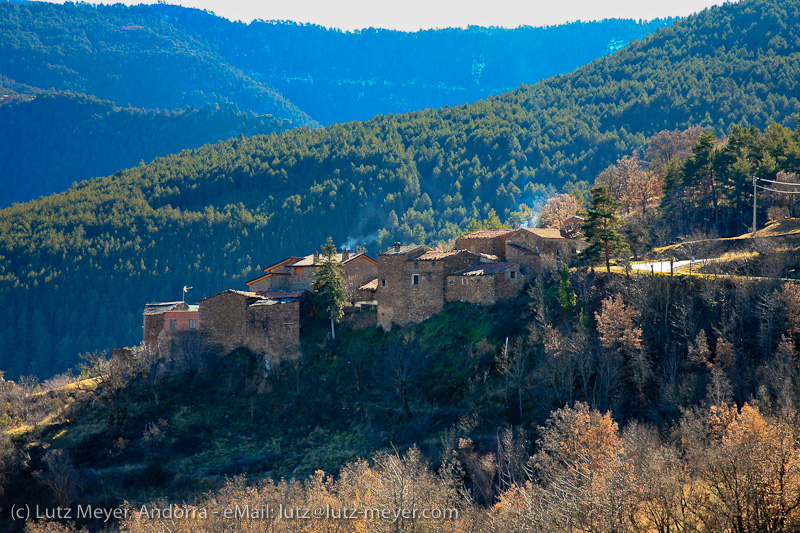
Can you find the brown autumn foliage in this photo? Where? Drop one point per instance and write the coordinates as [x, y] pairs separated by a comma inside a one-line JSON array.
[[632, 183], [558, 209]]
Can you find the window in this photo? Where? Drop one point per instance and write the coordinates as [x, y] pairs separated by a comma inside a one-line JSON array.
[[415, 279], [512, 275], [383, 283], [463, 281], [173, 323], [452, 282], [192, 323]]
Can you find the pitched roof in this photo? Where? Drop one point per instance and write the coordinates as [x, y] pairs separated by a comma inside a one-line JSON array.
[[157, 308], [282, 263], [434, 255], [371, 285], [277, 295], [522, 249], [233, 291], [317, 259], [405, 249], [489, 269], [545, 233], [487, 234]]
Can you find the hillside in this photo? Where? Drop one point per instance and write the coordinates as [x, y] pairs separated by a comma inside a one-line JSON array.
[[211, 217], [158, 65], [49, 140], [660, 389], [131, 58]]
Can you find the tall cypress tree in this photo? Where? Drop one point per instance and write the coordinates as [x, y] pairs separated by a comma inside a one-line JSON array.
[[329, 291], [600, 229]]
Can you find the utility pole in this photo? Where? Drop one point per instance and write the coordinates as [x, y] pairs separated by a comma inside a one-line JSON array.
[[754, 205]]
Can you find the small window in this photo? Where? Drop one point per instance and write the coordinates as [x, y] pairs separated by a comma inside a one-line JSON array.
[[383, 283], [415, 279], [463, 281], [513, 275], [192, 323], [452, 282], [173, 323]]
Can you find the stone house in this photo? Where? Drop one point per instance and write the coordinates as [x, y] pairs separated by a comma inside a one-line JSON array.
[[539, 249], [491, 242], [533, 248], [163, 320], [486, 283], [297, 273], [266, 323], [413, 281]]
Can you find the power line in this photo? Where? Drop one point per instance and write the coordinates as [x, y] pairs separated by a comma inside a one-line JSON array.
[[779, 182], [776, 190]]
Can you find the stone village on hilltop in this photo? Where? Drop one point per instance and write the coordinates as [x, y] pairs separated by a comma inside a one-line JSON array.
[[407, 284]]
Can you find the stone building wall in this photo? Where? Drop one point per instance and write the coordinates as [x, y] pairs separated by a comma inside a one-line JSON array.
[[485, 242], [270, 283], [415, 284], [362, 267], [153, 326], [485, 289], [234, 319], [390, 293], [275, 327], [549, 247]]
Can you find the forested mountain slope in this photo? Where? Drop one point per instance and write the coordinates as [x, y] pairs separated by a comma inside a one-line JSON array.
[[76, 267], [130, 57], [49, 140], [159, 65]]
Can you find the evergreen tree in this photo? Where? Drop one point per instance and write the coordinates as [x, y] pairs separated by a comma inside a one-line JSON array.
[[600, 229], [329, 288]]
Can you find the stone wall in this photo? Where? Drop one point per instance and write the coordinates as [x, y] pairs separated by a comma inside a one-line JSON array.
[[485, 242], [271, 283], [362, 267], [153, 326], [390, 296], [486, 289], [275, 327], [234, 319], [547, 252], [415, 288], [360, 319], [225, 321]]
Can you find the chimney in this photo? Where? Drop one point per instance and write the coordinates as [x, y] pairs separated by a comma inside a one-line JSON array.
[[316, 257], [397, 247], [345, 254]]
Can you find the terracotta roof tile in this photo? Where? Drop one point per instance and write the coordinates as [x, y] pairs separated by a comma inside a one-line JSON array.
[[546, 233], [309, 259], [371, 285], [434, 255], [487, 234], [405, 249]]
